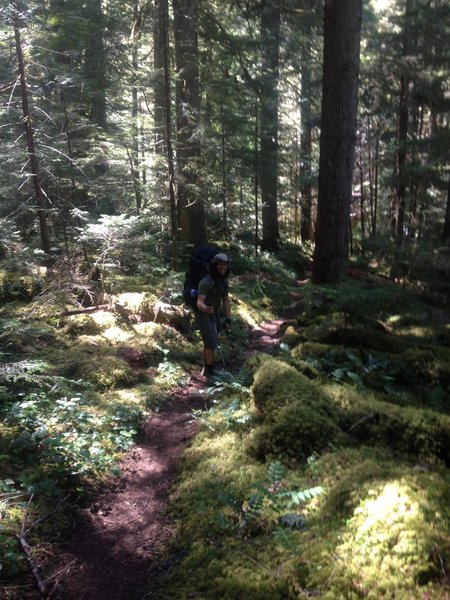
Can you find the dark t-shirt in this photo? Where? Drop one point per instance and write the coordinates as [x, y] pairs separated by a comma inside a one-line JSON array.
[[214, 290]]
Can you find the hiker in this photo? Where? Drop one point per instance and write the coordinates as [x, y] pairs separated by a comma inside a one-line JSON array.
[[211, 299]]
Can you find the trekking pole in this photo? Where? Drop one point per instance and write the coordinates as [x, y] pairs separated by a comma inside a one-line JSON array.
[[219, 345]]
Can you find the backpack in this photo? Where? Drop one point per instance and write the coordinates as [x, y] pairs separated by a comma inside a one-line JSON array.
[[198, 267]]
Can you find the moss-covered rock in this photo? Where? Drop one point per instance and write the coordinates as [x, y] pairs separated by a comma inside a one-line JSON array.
[[104, 371], [422, 366], [277, 384], [370, 339], [299, 418], [291, 337], [299, 430], [82, 325], [254, 362], [19, 286], [316, 351], [413, 431]]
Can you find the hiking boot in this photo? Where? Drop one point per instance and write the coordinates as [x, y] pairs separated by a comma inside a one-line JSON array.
[[208, 371]]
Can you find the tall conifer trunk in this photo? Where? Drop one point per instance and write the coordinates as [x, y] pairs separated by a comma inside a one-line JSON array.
[[270, 40], [41, 202], [398, 213], [342, 31], [306, 145], [446, 232], [95, 63], [163, 106], [190, 202]]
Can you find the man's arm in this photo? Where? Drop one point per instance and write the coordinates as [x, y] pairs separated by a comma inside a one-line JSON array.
[[227, 307], [202, 307]]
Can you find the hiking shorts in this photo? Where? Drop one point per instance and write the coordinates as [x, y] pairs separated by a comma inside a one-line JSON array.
[[208, 330]]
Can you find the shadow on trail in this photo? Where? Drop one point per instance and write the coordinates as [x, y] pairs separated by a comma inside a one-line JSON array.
[[116, 539], [122, 535]]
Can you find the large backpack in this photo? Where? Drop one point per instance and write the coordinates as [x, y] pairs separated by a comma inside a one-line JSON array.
[[198, 267]]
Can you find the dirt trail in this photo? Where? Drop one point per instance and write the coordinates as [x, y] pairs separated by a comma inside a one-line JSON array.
[[125, 529]]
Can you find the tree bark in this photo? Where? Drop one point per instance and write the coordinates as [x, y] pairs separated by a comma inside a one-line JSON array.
[[159, 89], [306, 233], [41, 202], [402, 136], [163, 106], [190, 202], [446, 232], [95, 64], [270, 41], [342, 31]]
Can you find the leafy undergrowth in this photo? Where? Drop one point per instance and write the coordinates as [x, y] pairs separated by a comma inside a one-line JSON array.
[[324, 471]]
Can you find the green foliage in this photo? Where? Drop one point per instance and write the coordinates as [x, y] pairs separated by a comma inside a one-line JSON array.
[[19, 286], [65, 439]]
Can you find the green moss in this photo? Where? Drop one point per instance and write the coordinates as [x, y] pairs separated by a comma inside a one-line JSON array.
[[230, 571], [82, 325], [277, 384], [349, 485], [300, 418], [291, 337], [103, 371], [419, 366], [314, 351], [14, 286], [254, 362], [388, 546], [300, 429], [419, 432], [366, 338]]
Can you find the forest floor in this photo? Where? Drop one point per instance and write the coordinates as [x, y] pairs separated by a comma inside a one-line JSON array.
[[119, 539]]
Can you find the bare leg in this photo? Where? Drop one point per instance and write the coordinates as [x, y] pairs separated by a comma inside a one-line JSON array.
[[208, 356]]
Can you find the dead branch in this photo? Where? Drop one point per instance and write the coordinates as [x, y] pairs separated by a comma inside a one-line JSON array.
[[81, 311], [42, 585], [26, 548]]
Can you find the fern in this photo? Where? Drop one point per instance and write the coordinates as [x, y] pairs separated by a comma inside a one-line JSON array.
[[276, 472], [23, 371]]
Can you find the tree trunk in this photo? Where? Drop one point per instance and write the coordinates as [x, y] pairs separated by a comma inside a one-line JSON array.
[[224, 172], [362, 202], [95, 64], [160, 46], [41, 202], [270, 41], [342, 31], [190, 201], [400, 195], [402, 135], [256, 171], [446, 232], [306, 232], [163, 105], [135, 166]]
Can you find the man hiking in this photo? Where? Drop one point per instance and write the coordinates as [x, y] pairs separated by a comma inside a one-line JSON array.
[[212, 303]]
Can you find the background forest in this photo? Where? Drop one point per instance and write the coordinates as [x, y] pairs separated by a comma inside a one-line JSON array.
[[311, 141]]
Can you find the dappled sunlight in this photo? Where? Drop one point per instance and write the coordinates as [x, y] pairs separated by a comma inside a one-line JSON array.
[[116, 334], [148, 329], [385, 545], [133, 395], [103, 318], [131, 300], [389, 507], [248, 315]]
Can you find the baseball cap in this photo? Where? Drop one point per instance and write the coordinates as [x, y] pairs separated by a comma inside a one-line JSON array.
[[221, 257]]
